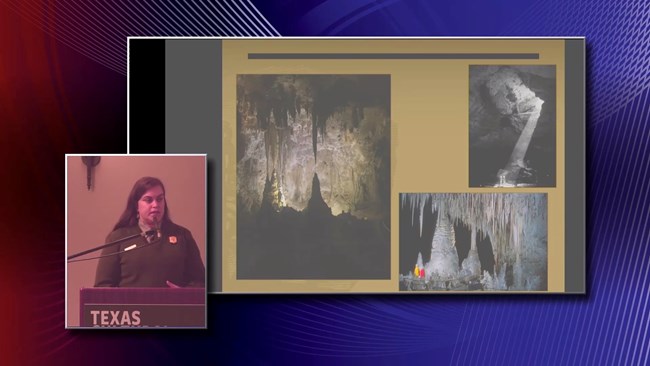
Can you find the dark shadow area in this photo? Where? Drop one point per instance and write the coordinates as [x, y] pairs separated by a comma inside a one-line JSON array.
[[485, 254], [312, 244], [463, 236]]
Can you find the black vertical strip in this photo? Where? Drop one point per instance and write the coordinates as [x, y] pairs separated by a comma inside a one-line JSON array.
[[146, 96], [575, 173]]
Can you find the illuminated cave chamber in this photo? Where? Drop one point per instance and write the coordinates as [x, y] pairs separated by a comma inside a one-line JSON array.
[[313, 177], [472, 241], [512, 125], [290, 127]]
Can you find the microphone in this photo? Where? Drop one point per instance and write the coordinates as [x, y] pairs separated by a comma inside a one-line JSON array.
[[148, 235], [151, 236]]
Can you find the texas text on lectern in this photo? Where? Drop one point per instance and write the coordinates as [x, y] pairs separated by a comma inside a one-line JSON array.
[[142, 307]]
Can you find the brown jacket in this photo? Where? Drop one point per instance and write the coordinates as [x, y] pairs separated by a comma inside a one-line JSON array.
[[175, 258]]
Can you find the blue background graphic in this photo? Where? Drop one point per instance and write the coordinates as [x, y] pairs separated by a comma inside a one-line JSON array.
[[63, 90]]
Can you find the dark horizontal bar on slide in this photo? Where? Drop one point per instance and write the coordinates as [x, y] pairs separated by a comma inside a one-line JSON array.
[[393, 56]]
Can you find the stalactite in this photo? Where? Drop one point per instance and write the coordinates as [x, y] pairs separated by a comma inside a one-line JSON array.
[[421, 215], [321, 96], [412, 214], [473, 237], [314, 135]]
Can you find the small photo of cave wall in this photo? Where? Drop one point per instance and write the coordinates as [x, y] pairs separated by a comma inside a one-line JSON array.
[[473, 242], [512, 126], [313, 177]]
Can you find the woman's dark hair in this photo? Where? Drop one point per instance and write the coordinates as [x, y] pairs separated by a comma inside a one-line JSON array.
[[130, 215]]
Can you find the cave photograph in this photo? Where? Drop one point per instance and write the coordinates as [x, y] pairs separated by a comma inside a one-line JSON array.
[[473, 242], [313, 177], [512, 125]]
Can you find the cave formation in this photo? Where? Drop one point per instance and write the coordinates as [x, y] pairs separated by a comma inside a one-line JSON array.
[[470, 241], [512, 126], [337, 126], [313, 176]]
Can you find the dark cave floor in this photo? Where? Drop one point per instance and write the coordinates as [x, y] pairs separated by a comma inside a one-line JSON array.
[[311, 245]]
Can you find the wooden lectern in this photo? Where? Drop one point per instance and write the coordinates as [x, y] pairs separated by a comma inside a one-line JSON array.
[[142, 307]]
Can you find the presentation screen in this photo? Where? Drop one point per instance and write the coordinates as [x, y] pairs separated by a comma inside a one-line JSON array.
[[370, 165]]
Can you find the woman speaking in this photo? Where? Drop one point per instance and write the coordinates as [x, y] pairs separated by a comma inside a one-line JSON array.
[[166, 257]]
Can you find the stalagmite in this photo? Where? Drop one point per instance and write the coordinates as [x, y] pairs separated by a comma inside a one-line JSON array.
[[444, 258], [516, 225], [472, 264]]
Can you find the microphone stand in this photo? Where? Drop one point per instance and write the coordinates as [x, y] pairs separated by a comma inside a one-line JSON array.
[[113, 243]]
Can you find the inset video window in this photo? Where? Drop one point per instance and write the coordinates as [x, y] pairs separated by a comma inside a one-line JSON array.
[[136, 241]]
